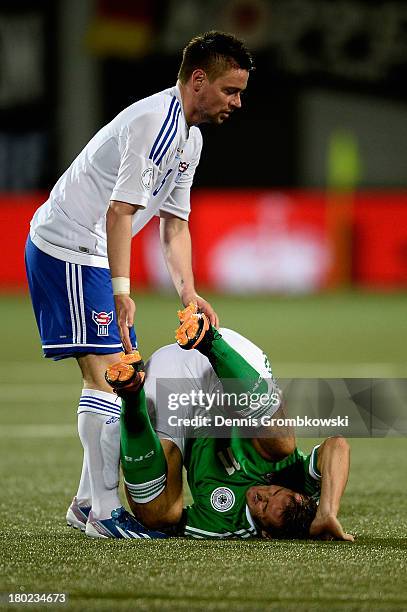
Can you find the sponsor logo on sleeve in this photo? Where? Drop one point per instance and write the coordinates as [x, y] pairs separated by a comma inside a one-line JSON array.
[[183, 166]]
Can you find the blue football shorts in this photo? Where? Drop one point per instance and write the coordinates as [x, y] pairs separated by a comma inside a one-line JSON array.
[[73, 305]]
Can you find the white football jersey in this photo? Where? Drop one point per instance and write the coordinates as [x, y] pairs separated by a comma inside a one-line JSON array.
[[192, 370], [146, 156]]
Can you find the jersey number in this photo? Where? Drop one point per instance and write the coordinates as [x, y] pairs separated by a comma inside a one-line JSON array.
[[162, 182], [229, 462]]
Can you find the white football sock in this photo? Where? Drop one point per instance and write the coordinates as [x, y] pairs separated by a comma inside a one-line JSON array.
[[84, 494], [99, 431]]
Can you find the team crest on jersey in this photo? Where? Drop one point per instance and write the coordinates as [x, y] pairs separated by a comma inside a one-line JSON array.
[[147, 178], [102, 320], [183, 167], [222, 499]]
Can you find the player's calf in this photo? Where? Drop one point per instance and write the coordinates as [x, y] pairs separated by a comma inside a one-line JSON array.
[[142, 458], [165, 510]]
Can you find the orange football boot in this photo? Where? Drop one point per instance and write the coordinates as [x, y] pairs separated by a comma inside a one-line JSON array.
[[193, 327], [127, 374]]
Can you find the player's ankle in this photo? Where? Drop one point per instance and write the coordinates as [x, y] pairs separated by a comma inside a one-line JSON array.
[[205, 344]]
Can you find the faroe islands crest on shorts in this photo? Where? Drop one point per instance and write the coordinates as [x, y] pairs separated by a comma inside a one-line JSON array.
[[222, 499], [102, 320]]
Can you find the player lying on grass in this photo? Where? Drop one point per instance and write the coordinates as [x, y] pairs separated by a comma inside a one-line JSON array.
[[241, 487]]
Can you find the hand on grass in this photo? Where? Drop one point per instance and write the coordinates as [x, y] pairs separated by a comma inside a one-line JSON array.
[[328, 528]]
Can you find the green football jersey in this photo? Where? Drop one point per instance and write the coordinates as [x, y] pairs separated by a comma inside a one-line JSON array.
[[220, 471]]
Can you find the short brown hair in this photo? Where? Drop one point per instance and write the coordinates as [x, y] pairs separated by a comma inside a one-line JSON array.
[[296, 519], [214, 52]]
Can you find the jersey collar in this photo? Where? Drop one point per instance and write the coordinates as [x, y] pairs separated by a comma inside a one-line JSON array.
[[177, 93], [251, 521]]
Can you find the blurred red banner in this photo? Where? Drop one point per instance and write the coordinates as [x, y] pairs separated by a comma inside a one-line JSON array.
[[380, 239], [252, 241]]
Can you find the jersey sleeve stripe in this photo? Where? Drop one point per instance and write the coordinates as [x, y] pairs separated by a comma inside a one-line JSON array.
[[169, 141], [244, 531], [313, 469], [208, 533], [173, 106], [201, 533], [168, 136], [157, 140]]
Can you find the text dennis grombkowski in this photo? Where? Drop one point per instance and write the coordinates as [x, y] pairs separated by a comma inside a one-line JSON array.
[[206, 401]]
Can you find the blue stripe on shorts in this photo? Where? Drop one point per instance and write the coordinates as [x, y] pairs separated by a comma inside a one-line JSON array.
[[73, 305]]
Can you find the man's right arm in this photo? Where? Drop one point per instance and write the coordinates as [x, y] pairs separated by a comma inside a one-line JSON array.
[[333, 465], [132, 191], [118, 229]]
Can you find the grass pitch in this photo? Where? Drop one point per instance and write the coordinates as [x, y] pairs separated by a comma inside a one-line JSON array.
[[334, 335]]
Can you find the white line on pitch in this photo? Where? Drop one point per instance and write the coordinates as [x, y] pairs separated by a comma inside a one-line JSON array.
[[38, 431], [37, 371], [43, 369], [38, 392]]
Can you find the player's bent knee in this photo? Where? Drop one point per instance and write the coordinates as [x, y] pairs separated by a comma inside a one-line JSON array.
[[284, 447], [275, 448], [338, 441], [93, 368]]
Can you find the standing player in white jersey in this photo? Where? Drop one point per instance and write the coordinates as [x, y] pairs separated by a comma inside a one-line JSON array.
[[78, 253]]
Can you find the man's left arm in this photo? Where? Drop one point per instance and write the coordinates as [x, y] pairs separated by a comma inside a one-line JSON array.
[[177, 249], [333, 465]]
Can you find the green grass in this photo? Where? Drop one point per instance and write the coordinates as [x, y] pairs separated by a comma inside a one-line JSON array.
[[331, 335]]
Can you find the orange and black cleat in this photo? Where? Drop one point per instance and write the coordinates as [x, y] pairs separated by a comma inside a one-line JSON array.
[[193, 327], [127, 374]]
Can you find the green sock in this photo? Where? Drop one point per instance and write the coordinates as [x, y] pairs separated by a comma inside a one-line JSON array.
[[236, 374], [143, 460]]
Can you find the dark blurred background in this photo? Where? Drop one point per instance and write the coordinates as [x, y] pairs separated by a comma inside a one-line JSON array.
[[325, 113], [68, 66]]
